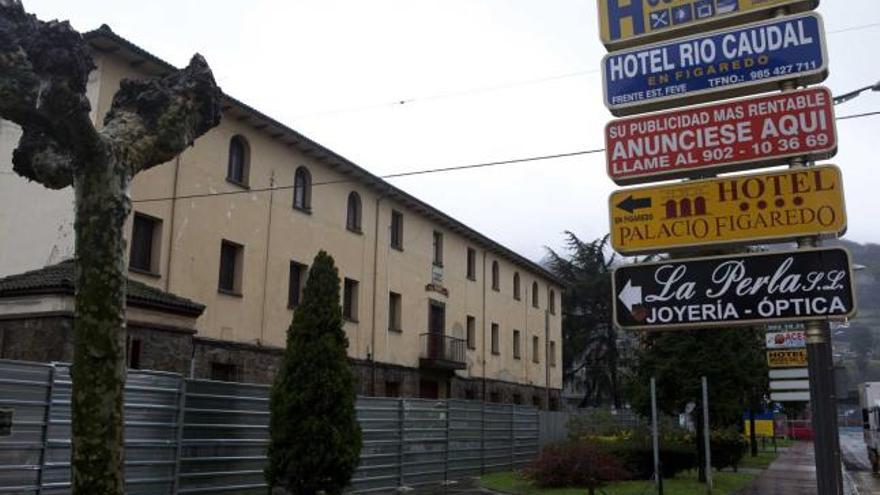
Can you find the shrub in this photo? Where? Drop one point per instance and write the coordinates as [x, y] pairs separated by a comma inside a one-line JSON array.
[[315, 440], [575, 465], [596, 423], [728, 448], [638, 458]]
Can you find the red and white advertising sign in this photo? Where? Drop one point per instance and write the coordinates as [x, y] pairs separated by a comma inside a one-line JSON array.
[[786, 340], [734, 135]]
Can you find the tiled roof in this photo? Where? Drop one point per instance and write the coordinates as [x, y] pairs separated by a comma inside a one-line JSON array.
[[59, 279], [104, 40]]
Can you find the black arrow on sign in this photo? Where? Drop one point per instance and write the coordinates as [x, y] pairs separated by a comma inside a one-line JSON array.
[[631, 204]]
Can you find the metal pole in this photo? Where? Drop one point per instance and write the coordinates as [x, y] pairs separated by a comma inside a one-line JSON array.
[[658, 479], [707, 433], [822, 400]]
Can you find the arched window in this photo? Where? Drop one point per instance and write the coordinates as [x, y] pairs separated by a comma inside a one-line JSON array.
[[551, 301], [239, 161], [302, 189], [535, 294], [353, 212], [685, 207], [516, 286], [495, 285], [700, 206]]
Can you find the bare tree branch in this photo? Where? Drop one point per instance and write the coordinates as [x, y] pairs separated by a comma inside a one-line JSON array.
[[44, 68], [152, 121]]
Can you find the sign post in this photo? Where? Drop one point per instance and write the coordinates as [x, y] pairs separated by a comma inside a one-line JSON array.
[[707, 435]]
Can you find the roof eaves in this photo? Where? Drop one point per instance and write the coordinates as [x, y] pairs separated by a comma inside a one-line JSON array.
[[327, 155]]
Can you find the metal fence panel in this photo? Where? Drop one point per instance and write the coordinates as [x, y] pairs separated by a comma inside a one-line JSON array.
[[201, 436]]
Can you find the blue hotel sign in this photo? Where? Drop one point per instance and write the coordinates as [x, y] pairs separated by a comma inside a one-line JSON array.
[[721, 64]]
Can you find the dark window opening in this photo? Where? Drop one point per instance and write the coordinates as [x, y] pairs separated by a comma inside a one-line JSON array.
[[536, 350], [495, 346], [495, 276], [471, 332], [295, 284], [517, 399], [494, 397], [353, 213], [536, 401], [230, 267], [239, 161], [471, 264], [392, 389], [438, 248], [224, 372], [302, 189], [535, 294], [350, 299], [394, 312], [516, 286], [397, 230], [145, 234], [133, 356], [516, 345]]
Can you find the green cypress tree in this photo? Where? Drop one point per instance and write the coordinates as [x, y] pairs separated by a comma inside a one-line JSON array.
[[315, 439]]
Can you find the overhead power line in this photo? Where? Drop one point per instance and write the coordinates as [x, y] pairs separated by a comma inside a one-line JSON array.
[[455, 168], [498, 87]]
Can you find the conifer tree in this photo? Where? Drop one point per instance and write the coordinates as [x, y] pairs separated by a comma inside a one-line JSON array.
[[315, 439]]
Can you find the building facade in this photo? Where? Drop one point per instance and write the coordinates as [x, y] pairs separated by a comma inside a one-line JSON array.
[[432, 308]]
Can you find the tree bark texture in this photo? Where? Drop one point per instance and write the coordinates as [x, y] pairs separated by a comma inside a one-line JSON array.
[[44, 67]]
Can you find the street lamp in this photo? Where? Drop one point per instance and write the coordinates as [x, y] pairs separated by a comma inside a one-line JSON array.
[[852, 94]]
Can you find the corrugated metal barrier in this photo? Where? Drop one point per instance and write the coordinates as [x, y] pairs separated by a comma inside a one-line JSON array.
[[200, 436]]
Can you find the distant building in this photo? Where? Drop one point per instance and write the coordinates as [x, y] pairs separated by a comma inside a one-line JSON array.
[[432, 307]]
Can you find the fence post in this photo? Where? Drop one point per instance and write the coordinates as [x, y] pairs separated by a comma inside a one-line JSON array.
[[512, 434], [181, 416], [47, 418], [446, 461], [400, 436]]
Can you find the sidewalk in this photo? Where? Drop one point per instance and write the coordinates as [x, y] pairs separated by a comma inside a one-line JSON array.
[[792, 473]]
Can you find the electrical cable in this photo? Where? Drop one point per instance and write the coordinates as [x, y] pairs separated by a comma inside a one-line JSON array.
[[428, 171]]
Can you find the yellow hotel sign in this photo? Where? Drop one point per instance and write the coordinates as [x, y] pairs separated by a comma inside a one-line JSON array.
[[625, 23], [738, 209], [789, 358]]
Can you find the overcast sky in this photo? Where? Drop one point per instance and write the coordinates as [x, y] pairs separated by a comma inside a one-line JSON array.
[[481, 80]]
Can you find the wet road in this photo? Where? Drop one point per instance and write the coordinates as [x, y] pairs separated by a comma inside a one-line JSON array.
[[855, 458]]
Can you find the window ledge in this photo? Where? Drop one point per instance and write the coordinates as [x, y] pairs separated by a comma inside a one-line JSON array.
[[438, 265], [293, 307], [496, 289], [517, 298], [237, 183], [398, 248], [307, 211], [472, 278], [496, 353], [349, 319], [474, 348], [230, 293], [355, 231], [517, 358], [141, 271], [395, 330]]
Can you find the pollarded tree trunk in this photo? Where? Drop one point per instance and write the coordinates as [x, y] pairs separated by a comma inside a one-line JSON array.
[[102, 205], [44, 67]]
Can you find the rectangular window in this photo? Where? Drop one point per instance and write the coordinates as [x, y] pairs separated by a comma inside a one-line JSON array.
[[471, 264], [516, 345], [517, 399], [230, 267], [471, 332], [495, 346], [146, 233], [552, 356], [494, 397], [536, 350], [296, 283], [394, 305], [350, 299], [224, 372], [392, 389], [396, 229], [134, 353], [438, 248]]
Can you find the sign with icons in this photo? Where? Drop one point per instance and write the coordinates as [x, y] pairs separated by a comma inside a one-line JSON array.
[[742, 289], [720, 64], [786, 340], [736, 135], [624, 23], [731, 210]]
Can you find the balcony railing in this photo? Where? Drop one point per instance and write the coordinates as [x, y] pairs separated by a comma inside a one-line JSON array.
[[442, 352]]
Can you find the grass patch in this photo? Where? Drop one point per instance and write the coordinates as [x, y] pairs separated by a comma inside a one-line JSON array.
[[684, 484]]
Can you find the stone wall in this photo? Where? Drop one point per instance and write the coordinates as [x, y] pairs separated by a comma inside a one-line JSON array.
[[251, 363], [162, 349], [37, 338]]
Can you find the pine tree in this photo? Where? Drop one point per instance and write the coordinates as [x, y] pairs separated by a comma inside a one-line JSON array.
[[315, 439]]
